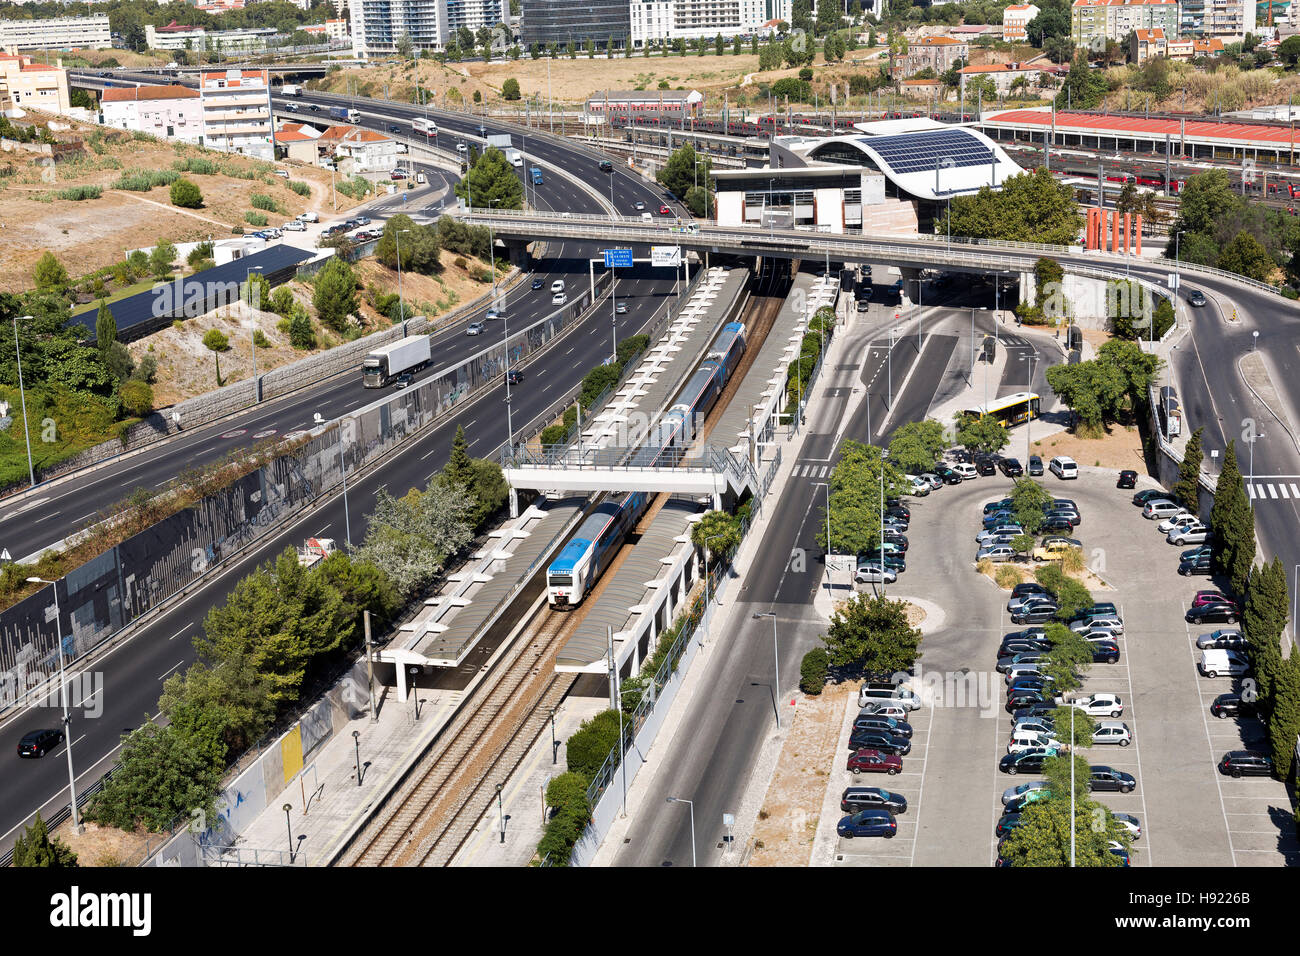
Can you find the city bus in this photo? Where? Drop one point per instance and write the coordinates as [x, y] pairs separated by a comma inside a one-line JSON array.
[[426, 126], [1009, 410]]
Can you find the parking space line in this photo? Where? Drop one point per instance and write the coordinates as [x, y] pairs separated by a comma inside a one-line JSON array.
[[1137, 755], [1218, 784]]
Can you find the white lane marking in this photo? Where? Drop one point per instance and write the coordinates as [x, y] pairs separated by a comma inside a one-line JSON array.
[[170, 669], [179, 633]]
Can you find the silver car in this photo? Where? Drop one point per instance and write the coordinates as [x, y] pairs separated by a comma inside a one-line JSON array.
[[1000, 531], [474, 328], [935, 481], [1000, 552]]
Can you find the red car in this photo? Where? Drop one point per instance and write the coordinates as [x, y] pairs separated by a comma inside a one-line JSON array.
[[873, 761], [665, 211], [1213, 597]]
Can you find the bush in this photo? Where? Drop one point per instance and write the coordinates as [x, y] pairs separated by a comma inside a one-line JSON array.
[[566, 796], [137, 397], [591, 744], [78, 193], [301, 188], [255, 218], [215, 340], [812, 671], [143, 180], [196, 165], [185, 194], [263, 201], [1007, 577]]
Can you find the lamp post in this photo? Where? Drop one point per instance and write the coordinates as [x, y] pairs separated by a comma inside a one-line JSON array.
[[1029, 414], [252, 332], [22, 395], [414, 672], [555, 746], [1072, 710], [776, 663], [501, 813], [771, 223], [63, 695], [343, 466], [1254, 340], [1251, 480], [889, 373], [401, 302], [691, 804], [356, 740], [706, 566], [918, 314], [948, 162], [289, 824], [492, 251], [827, 561]]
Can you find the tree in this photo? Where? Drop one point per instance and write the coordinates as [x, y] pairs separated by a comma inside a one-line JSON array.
[[1264, 618], [49, 274], [1094, 390], [1043, 837], [215, 341], [916, 446], [1228, 497], [186, 194], [491, 183], [985, 435], [403, 47], [510, 89], [1245, 256], [1284, 721], [1289, 51], [410, 538], [680, 173], [161, 259], [35, 847], [229, 701], [812, 671], [137, 398], [335, 295], [1031, 207], [105, 327], [719, 47], [718, 533], [855, 497], [1027, 500], [871, 634], [256, 292], [301, 334], [1187, 490], [459, 469], [1083, 87]]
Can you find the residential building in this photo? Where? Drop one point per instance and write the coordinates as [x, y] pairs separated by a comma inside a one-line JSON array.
[[168, 112], [357, 150], [377, 25], [474, 14], [218, 7], [936, 53], [177, 36], [1093, 22], [1193, 48], [336, 31], [660, 20], [1227, 19], [563, 23], [1003, 75], [1014, 20], [59, 33], [1144, 44], [237, 112], [24, 83], [299, 142]]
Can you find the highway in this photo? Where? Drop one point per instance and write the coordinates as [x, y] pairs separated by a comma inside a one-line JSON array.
[[132, 674]]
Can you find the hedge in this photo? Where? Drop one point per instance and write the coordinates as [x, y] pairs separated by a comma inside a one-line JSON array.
[[590, 745], [812, 671]]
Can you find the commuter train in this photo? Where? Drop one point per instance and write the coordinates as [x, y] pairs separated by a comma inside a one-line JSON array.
[[573, 572]]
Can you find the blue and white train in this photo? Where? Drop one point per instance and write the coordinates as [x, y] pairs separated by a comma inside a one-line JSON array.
[[572, 574]]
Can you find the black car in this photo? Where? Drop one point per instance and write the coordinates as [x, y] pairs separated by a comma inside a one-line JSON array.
[[894, 507], [313, 107], [1007, 823], [1106, 778], [1026, 698], [394, 128], [1246, 763], [537, 283], [1232, 705], [883, 725], [1026, 761], [1039, 709], [1195, 554], [1002, 504], [1035, 465], [984, 466], [1011, 467], [404, 380], [1058, 522], [1142, 497], [1196, 297], [898, 541], [854, 799], [1027, 587], [1127, 479], [515, 377], [1105, 652], [875, 740], [946, 475], [1212, 614], [1198, 566], [1011, 648], [39, 742]]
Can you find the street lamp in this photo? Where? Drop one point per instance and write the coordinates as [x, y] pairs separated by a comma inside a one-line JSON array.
[[1251, 481], [501, 813], [343, 467], [889, 372], [827, 488], [707, 539], [252, 334], [691, 804], [63, 695], [401, 302], [414, 672], [1031, 358], [492, 251], [1254, 340], [776, 662], [510, 425], [948, 162], [555, 746], [356, 740], [22, 395]]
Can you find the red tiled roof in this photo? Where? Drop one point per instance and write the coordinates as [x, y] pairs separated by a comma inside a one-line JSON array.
[[1230, 132], [292, 136], [138, 93]]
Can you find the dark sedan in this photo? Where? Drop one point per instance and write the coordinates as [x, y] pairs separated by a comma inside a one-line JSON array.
[[868, 823], [1106, 778], [1127, 479], [1246, 763], [946, 475], [1011, 467], [1142, 497], [1198, 566], [537, 283], [1025, 698], [1058, 522], [39, 742], [1232, 705], [883, 725], [1038, 614], [1212, 614], [855, 799], [1104, 652], [1007, 823], [1026, 761], [1035, 465], [875, 740], [984, 466]]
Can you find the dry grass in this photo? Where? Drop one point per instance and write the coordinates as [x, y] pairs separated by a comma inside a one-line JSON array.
[[106, 846], [1228, 87], [1119, 447], [1008, 576]]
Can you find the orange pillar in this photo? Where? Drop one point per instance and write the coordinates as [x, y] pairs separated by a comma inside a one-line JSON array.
[[1094, 233], [1137, 235], [1114, 232], [1087, 230], [1103, 225], [1128, 228]]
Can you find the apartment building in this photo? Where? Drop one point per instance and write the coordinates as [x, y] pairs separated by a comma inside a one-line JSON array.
[[176, 36], [335, 31], [1193, 48], [1003, 75], [1015, 19], [58, 33], [1227, 19], [378, 25], [24, 83], [1093, 22], [935, 52], [236, 108], [654, 21], [562, 22], [1144, 44], [474, 14], [168, 112]]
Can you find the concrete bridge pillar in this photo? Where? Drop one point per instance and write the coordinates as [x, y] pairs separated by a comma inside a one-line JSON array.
[[1028, 288], [514, 503], [910, 278], [518, 253]]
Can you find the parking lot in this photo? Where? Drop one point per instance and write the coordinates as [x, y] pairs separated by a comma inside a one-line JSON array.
[[1190, 814]]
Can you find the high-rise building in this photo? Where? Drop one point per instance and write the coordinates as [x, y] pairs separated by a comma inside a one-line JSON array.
[[659, 20], [473, 14], [565, 22], [1227, 19], [378, 25], [1093, 22], [1014, 20], [59, 33], [26, 83]]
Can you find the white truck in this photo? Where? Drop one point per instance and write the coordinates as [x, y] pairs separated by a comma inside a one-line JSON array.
[[290, 89], [515, 157], [315, 551], [500, 140], [387, 362]]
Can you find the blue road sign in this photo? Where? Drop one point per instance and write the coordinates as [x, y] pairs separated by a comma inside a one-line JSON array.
[[618, 258]]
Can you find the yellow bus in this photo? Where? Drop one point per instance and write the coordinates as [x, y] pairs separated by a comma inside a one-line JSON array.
[[1009, 410]]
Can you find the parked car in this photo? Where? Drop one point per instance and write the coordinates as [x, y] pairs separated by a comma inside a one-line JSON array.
[[887, 691], [1107, 778], [882, 708], [1149, 494], [1211, 597], [873, 761], [1027, 587], [1246, 763], [1127, 479], [1232, 705], [1012, 648], [1036, 614], [868, 573], [1064, 467], [1129, 824], [294, 225], [1026, 761], [1160, 508], [856, 799], [1105, 652], [1216, 661], [38, 743], [1055, 548], [1195, 554], [985, 466], [1011, 468], [998, 531], [1020, 700], [948, 476], [1192, 533], [867, 823], [1176, 521], [1212, 614], [1021, 790], [1199, 566], [875, 740], [1100, 633], [1095, 609], [966, 470], [1112, 732], [1006, 519], [1008, 822], [1099, 705], [888, 725], [1002, 504], [1035, 465]]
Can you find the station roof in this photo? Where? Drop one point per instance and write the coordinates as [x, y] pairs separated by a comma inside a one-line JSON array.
[[1200, 130]]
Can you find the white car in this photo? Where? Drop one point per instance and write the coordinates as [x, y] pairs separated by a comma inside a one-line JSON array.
[[1099, 705], [1001, 531], [1032, 740], [920, 487], [1194, 533], [308, 217], [1177, 521], [1063, 467], [1022, 670], [1129, 824], [1090, 624], [884, 708], [966, 470], [873, 574], [560, 298], [1101, 632], [462, 148], [1112, 732], [1160, 508], [1019, 790]]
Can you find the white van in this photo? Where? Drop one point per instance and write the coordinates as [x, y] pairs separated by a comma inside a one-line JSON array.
[[1063, 467], [1216, 661], [308, 217], [557, 286]]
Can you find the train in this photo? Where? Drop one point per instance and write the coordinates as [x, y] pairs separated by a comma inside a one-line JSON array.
[[569, 578]]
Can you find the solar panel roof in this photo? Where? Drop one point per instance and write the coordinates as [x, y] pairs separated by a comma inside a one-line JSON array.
[[921, 152]]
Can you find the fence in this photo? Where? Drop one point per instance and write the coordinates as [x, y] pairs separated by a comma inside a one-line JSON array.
[[115, 589]]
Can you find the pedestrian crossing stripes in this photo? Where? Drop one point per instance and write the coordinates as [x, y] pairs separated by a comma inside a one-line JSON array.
[[806, 470], [1267, 491]]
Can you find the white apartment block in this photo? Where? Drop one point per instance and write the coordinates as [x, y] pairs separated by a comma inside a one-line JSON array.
[[474, 14], [377, 25], [168, 112], [1227, 19], [1014, 20], [237, 112], [178, 37], [60, 33], [659, 20]]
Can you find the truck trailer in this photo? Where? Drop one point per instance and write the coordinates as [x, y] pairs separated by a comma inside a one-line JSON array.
[[514, 157], [500, 140], [290, 89], [389, 361], [345, 114]]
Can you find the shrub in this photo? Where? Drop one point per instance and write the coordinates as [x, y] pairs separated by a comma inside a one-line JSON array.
[[1007, 577], [78, 193], [216, 340], [301, 334], [143, 180], [301, 188], [263, 201], [984, 566], [591, 744], [255, 218], [566, 796], [812, 671], [185, 194], [137, 397], [196, 165]]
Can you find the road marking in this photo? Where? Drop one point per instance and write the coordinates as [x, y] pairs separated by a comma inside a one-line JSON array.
[[179, 633], [170, 669], [427, 454]]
